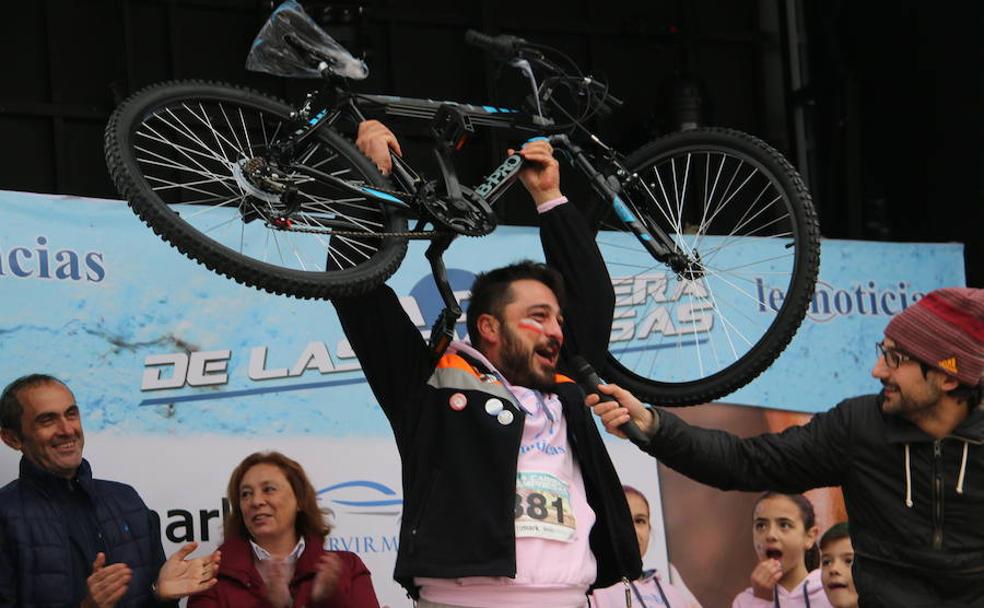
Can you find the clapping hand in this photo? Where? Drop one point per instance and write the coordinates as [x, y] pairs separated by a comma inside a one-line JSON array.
[[180, 577], [106, 584], [325, 581]]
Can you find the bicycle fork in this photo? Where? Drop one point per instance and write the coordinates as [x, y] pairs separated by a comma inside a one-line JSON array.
[[653, 239]]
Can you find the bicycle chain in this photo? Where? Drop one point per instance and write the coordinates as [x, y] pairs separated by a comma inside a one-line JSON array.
[[402, 235]]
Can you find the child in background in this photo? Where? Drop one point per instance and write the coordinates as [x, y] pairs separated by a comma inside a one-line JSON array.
[[836, 558], [652, 589], [784, 533]]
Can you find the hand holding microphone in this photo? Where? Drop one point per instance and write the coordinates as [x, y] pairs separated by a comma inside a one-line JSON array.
[[612, 411]]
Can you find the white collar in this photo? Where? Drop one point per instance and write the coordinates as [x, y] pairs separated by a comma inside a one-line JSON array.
[[263, 555]]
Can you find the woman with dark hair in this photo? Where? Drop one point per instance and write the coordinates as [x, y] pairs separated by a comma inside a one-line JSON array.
[[273, 554]]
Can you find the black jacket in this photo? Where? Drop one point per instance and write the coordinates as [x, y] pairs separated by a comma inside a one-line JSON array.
[[39, 561], [459, 468], [916, 505]]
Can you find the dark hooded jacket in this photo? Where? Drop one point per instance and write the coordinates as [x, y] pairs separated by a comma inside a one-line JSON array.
[[459, 468], [916, 505]]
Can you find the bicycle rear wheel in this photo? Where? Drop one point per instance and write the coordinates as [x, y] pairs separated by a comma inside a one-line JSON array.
[[195, 161], [745, 221]]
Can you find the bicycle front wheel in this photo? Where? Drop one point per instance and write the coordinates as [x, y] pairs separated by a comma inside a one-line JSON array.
[[745, 225], [198, 163]]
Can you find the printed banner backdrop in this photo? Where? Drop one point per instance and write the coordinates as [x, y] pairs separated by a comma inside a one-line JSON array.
[[89, 294], [180, 373]]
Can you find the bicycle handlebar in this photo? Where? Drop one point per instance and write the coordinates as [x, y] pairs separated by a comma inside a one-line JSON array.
[[610, 100], [506, 47], [503, 44]]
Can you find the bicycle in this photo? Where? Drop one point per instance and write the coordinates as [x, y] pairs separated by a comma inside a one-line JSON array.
[[261, 192]]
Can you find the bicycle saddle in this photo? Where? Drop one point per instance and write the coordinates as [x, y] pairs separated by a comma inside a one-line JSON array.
[[291, 44]]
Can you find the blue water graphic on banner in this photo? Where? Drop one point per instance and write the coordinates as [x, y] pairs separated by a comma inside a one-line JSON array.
[[152, 342]]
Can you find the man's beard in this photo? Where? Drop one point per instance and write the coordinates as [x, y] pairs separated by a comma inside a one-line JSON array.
[[901, 403], [516, 363]]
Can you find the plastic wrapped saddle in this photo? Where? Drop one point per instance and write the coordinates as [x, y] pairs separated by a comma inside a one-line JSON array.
[[271, 53]]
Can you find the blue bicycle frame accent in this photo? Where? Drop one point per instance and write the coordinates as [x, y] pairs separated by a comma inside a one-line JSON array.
[[383, 196], [622, 210], [317, 117], [625, 214]]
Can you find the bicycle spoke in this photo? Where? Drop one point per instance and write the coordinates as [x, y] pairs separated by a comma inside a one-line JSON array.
[[171, 165], [207, 122], [186, 185], [161, 140], [731, 238], [338, 253], [242, 121], [366, 225], [211, 208], [356, 245], [653, 198], [202, 167], [304, 158], [731, 269], [183, 129], [219, 225], [721, 207], [683, 193], [239, 145], [200, 182]]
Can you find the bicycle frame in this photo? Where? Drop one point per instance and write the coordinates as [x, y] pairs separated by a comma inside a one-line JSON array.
[[497, 182], [325, 107]]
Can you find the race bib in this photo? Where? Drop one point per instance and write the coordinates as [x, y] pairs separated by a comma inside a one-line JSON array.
[[543, 507]]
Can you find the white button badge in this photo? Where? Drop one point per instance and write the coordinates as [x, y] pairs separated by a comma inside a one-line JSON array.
[[493, 406]]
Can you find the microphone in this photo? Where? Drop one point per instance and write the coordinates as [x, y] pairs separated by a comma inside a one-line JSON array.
[[590, 377]]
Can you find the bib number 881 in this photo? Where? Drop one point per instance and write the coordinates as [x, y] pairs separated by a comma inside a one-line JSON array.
[[537, 507]]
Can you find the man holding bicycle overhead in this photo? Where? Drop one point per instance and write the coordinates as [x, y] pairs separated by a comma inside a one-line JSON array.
[[510, 498], [910, 460]]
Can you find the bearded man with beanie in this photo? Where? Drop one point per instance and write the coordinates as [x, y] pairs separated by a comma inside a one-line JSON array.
[[910, 459]]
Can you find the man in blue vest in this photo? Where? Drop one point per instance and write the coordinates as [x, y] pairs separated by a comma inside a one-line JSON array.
[[67, 539]]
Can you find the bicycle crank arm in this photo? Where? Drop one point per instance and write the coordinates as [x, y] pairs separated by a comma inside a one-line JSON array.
[[442, 333]]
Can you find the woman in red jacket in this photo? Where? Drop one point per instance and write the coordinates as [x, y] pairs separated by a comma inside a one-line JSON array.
[[273, 555]]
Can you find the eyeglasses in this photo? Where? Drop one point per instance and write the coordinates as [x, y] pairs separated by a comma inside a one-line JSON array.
[[893, 358]]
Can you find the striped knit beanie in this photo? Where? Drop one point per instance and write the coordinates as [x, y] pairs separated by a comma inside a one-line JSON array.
[[944, 329]]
